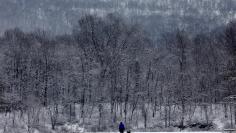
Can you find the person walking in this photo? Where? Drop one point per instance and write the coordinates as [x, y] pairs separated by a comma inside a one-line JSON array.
[[121, 127]]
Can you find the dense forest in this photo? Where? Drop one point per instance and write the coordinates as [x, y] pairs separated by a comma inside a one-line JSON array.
[[156, 66], [109, 70]]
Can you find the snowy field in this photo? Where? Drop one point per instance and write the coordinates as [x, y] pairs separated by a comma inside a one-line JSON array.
[[156, 132], [38, 121]]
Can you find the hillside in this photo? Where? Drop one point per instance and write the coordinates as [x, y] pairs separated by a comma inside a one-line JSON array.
[[161, 14]]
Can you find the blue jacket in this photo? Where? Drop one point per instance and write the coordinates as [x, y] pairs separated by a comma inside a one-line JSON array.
[[121, 126]]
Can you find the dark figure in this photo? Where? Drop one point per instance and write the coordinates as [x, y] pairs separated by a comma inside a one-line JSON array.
[[128, 131], [121, 127]]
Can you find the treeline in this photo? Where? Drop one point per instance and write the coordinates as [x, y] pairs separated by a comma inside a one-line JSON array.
[[110, 63]]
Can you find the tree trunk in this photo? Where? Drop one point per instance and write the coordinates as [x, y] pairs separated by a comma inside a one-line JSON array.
[[206, 113], [166, 117], [225, 110], [234, 114], [182, 115]]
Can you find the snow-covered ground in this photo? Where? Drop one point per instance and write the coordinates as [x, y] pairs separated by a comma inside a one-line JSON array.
[[16, 122], [156, 132]]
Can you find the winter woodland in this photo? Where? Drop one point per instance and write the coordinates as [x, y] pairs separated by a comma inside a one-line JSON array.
[[155, 65]]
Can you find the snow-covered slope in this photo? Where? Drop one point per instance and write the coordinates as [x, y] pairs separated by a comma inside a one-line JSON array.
[[59, 16]]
